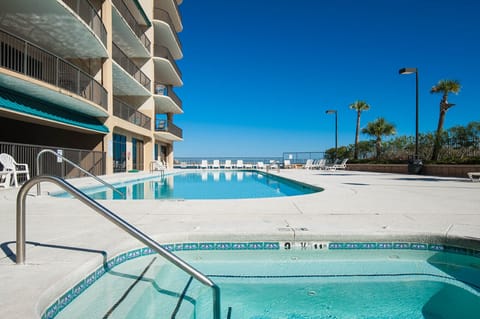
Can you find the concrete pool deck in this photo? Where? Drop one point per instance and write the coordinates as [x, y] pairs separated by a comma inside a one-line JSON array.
[[66, 240]]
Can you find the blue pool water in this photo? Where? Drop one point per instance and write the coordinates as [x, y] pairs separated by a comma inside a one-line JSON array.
[[294, 284], [229, 184]]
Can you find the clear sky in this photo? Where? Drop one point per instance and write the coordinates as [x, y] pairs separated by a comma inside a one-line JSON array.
[[259, 74]]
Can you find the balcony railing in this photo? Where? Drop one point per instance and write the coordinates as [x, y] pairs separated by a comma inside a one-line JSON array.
[[90, 16], [167, 90], [23, 57], [130, 114], [163, 52], [127, 64], [163, 15], [132, 22], [167, 126]]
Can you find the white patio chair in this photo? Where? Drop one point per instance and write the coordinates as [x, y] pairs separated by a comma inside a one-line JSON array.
[[320, 164], [342, 165], [239, 164], [5, 177], [308, 164], [260, 165], [472, 176], [216, 164], [228, 164], [15, 168], [204, 164], [287, 164]]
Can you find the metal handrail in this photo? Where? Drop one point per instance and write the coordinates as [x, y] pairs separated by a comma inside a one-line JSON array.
[[112, 217], [75, 165]]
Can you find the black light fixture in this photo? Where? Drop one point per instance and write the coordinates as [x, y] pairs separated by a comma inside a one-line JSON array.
[[336, 130]]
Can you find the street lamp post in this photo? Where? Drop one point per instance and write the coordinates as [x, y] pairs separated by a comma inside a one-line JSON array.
[[336, 130], [415, 165], [410, 71]]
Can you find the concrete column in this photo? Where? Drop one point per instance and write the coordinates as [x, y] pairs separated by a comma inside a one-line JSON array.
[[107, 80]]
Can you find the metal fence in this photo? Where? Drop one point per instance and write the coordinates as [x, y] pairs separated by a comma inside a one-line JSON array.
[[90, 16], [92, 161], [128, 65], [302, 157], [130, 114], [132, 22]]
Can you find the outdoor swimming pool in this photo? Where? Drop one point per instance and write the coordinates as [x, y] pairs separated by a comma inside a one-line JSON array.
[[229, 184], [264, 280]]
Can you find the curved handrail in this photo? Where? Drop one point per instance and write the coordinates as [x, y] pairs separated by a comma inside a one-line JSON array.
[[75, 165], [112, 217]]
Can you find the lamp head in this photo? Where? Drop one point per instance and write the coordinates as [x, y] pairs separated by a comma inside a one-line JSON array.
[[407, 70], [331, 112]]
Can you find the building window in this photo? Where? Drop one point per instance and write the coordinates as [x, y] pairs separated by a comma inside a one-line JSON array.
[[137, 154], [119, 153]]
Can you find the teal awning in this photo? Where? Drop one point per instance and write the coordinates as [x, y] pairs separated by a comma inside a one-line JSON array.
[[31, 106]]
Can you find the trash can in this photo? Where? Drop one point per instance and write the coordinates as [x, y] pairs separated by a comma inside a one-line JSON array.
[[415, 165]]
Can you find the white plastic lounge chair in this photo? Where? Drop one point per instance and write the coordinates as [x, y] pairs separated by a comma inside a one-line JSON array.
[[309, 164], [5, 177], [228, 164], [260, 165], [342, 165], [15, 168], [216, 164], [273, 164], [248, 165], [320, 164], [472, 176], [287, 164], [239, 164], [204, 164]]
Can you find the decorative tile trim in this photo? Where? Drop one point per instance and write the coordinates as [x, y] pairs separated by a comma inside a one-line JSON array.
[[65, 299]]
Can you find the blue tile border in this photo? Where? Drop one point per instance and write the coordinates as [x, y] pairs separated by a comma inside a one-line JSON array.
[[65, 299]]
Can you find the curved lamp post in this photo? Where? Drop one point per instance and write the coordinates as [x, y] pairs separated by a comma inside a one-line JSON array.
[[410, 71], [336, 130]]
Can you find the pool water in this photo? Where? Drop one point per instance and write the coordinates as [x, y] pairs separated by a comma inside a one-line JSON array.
[[290, 285], [229, 184]]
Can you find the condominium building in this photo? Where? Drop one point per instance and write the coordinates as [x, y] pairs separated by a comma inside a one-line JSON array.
[[92, 77]]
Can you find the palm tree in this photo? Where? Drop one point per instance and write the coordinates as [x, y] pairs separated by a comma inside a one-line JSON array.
[[359, 106], [444, 87], [379, 128]]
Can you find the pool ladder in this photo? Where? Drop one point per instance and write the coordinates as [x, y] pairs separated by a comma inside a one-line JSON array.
[[39, 171], [112, 217]]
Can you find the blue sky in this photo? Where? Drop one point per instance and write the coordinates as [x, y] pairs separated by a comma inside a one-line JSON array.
[[260, 74]]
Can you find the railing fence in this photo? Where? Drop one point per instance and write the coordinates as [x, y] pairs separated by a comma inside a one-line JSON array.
[[302, 157], [92, 161]]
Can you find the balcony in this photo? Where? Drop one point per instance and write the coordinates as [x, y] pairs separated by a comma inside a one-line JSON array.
[[130, 67], [171, 7], [130, 114], [90, 16], [166, 101], [69, 28], [28, 60], [128, 33], [167, 130], [166, 69], [166, 31]]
